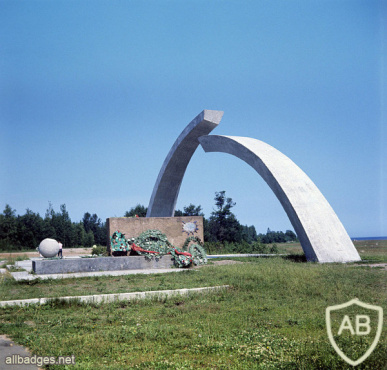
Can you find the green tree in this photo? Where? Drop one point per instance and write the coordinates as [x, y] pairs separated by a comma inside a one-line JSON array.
[[249, 234], [8, 225], [94, 224], [101, 236], [277, 236], [48, 230], [59, 225], [63, 227], [223, 225], [138, 210], [290, 236], [190, 210], [29, 229], [79, 234], [8, 228], [89, 239], [49, 211]]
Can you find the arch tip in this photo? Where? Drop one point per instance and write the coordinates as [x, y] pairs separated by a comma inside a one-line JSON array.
[[214, 116]]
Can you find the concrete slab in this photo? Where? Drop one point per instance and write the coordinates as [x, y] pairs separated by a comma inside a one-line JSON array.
[[72, 265], [26, 265], [24, 275], [105, 298]]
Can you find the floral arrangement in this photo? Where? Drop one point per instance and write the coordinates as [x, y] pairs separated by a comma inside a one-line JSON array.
[[196, 250], [99, 250], [118, 243], [154, 244]]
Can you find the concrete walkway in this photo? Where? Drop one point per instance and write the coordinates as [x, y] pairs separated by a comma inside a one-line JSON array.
[[24, 275], [27, 266], [12, 350], [104, 298]]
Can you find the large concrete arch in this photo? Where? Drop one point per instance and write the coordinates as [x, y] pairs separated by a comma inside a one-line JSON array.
[[167, 187], [322, 235]]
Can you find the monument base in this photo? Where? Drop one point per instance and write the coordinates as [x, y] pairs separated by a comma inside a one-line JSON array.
[[63, 266]]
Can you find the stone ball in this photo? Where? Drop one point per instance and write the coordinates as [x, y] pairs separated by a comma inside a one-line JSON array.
[[48, 248]]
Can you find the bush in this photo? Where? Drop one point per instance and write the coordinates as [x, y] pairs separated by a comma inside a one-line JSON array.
[[8, 246], [274, 248], [214, 247], [99, 250]]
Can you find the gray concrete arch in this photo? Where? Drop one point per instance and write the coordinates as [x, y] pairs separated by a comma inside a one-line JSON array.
[[322, 235], [167, 186]]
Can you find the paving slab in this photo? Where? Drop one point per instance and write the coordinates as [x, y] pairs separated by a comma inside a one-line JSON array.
[[24, 275], [105, 298], [73, 265], [27, 265], [8, 348]]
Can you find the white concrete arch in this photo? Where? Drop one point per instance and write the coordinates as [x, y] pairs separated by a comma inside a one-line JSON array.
[[167, 186], [322, 235]]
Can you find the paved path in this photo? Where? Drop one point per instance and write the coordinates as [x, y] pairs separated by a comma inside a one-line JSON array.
[[24, 275], [9, 348], [27, 266], [114, 297]]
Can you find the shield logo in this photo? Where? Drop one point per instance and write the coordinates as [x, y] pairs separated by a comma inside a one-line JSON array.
[[346, 324]]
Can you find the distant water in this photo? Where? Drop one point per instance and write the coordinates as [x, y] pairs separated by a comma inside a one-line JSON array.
[[371, 238]]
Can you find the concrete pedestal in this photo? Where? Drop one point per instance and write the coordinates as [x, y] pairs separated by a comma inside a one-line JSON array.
[[61, 266]]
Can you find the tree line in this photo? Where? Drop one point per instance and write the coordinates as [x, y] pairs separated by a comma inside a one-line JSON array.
[[221, 228], [27, 231]]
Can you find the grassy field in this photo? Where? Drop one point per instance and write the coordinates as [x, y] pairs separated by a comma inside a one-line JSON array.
[[273, 316]]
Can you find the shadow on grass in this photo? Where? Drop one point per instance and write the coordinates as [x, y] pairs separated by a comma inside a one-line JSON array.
[[295, 258]]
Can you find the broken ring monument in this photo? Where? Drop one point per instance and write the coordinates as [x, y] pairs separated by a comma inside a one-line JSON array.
[[323, 237], [161, 240]]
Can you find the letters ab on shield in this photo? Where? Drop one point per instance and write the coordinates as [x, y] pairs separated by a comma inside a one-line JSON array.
[[352, 321]]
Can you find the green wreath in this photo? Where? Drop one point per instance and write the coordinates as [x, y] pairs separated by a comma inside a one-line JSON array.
[[199, 255], [118, 243], [191, 239], [152, 241]]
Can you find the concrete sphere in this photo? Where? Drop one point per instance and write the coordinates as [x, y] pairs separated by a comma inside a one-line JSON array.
[[48, 248]]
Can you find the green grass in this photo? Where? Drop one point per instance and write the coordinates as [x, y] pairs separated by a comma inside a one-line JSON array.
[[273, 316], [10, 260], [372, 251]]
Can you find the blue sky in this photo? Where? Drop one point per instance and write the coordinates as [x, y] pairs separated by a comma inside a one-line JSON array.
[[93, 95]]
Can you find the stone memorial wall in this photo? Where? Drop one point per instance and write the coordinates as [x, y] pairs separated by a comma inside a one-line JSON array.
[[177, 229]]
